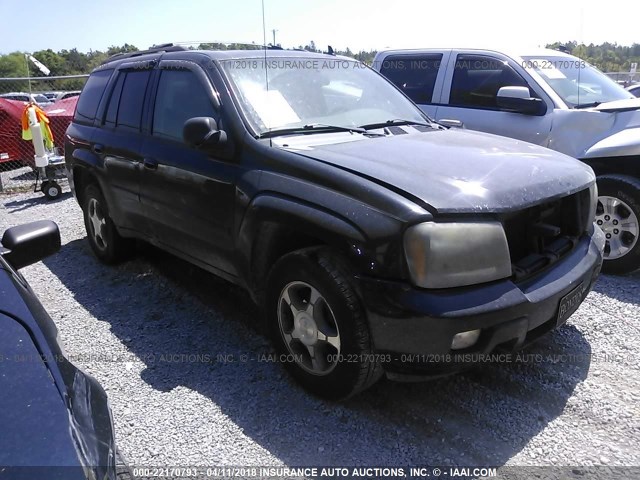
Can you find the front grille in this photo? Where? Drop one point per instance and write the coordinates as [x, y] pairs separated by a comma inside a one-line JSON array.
[[540, 236]]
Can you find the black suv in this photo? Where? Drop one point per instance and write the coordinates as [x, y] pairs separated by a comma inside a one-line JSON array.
[[375, 239]]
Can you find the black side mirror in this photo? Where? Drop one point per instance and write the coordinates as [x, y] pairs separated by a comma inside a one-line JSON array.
[[202, 132], [29, 243], [519, 100]]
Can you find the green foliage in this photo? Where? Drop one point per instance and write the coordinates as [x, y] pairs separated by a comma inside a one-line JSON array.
[[608, 57], [13, 65], [64, 62], [228, 46]]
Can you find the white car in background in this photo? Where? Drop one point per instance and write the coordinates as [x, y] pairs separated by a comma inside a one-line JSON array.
[[38, 98], [635, 89], [65, 95], [51, 95], [545, 97]]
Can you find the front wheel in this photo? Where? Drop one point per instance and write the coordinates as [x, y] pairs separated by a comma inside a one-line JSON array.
[[618, 215], [317, 325]]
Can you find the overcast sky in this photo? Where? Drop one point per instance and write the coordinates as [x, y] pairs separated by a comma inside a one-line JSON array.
[[358, 24]]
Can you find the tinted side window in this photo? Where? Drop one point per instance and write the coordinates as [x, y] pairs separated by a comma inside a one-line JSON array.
[[132, 98], [180, 96], [477, 79], [112, 109], [415, 75], [91, 95]]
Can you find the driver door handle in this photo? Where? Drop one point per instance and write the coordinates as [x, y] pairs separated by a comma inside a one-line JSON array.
[[150, 164]]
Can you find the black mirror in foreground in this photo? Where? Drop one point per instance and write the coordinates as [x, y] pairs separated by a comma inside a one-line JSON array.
[[519, 100], [29, 243], [202, 132]]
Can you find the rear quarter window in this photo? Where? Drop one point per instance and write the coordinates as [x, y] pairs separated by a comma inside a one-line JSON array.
[[132, 99], [91, 96]]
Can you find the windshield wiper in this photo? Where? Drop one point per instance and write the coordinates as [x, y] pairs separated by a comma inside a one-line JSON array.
[[398, 122], [587, 105], [311, 128]]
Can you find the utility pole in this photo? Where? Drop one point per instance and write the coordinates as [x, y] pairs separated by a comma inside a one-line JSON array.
[[274, 36]]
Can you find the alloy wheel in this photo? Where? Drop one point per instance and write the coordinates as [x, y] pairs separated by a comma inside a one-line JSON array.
[[620, 225], [309, 328], [97, 223]]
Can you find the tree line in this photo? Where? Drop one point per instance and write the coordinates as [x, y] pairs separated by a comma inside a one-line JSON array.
[[608, 57]]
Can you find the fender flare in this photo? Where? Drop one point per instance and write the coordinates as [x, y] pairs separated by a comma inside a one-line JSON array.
[[270, 212]]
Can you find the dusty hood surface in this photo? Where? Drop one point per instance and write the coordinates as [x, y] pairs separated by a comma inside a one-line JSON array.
[[455, 170]]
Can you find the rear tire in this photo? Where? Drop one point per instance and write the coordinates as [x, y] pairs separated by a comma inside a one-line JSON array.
[[103, 237], [318, 326], [123, 472], [618, 214]]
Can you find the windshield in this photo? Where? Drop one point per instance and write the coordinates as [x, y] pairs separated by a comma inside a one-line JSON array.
[[575, 81], [306, 91]]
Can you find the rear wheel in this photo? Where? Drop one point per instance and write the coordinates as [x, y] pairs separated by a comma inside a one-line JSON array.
[[618, 214], [317, 325], [104, 239], [123, 472]]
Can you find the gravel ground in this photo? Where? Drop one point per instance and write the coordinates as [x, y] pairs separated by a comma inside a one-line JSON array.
[[151, 331], [14, 177]]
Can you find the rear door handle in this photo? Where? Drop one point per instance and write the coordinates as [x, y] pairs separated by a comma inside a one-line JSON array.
[[451, 122], [150, 164], [98, 148]]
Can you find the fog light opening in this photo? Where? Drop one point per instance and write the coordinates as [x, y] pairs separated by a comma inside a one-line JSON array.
[[465, 339]]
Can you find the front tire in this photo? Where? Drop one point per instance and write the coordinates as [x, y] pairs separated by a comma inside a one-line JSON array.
[[618, 214], [104, 239], [318, 326]]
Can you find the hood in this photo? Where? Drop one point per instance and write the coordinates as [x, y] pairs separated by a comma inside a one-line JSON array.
[[453, 171], [619, 105]]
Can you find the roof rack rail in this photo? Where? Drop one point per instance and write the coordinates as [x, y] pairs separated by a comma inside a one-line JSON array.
[[164, 47]]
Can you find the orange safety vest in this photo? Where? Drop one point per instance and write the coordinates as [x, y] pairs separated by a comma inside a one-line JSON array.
[[47, 134]]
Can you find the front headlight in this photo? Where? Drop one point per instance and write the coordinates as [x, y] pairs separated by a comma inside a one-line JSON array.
[[443, 255]]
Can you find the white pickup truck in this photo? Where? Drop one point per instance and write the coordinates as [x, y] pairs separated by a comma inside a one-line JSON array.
[[545, 97]]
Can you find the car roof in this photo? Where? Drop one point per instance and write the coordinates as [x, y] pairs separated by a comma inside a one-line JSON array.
[[219, 55], [510, 52]]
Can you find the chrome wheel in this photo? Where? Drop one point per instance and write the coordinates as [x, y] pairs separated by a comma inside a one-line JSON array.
[[620, 225], [309, 329], [97, 223]]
